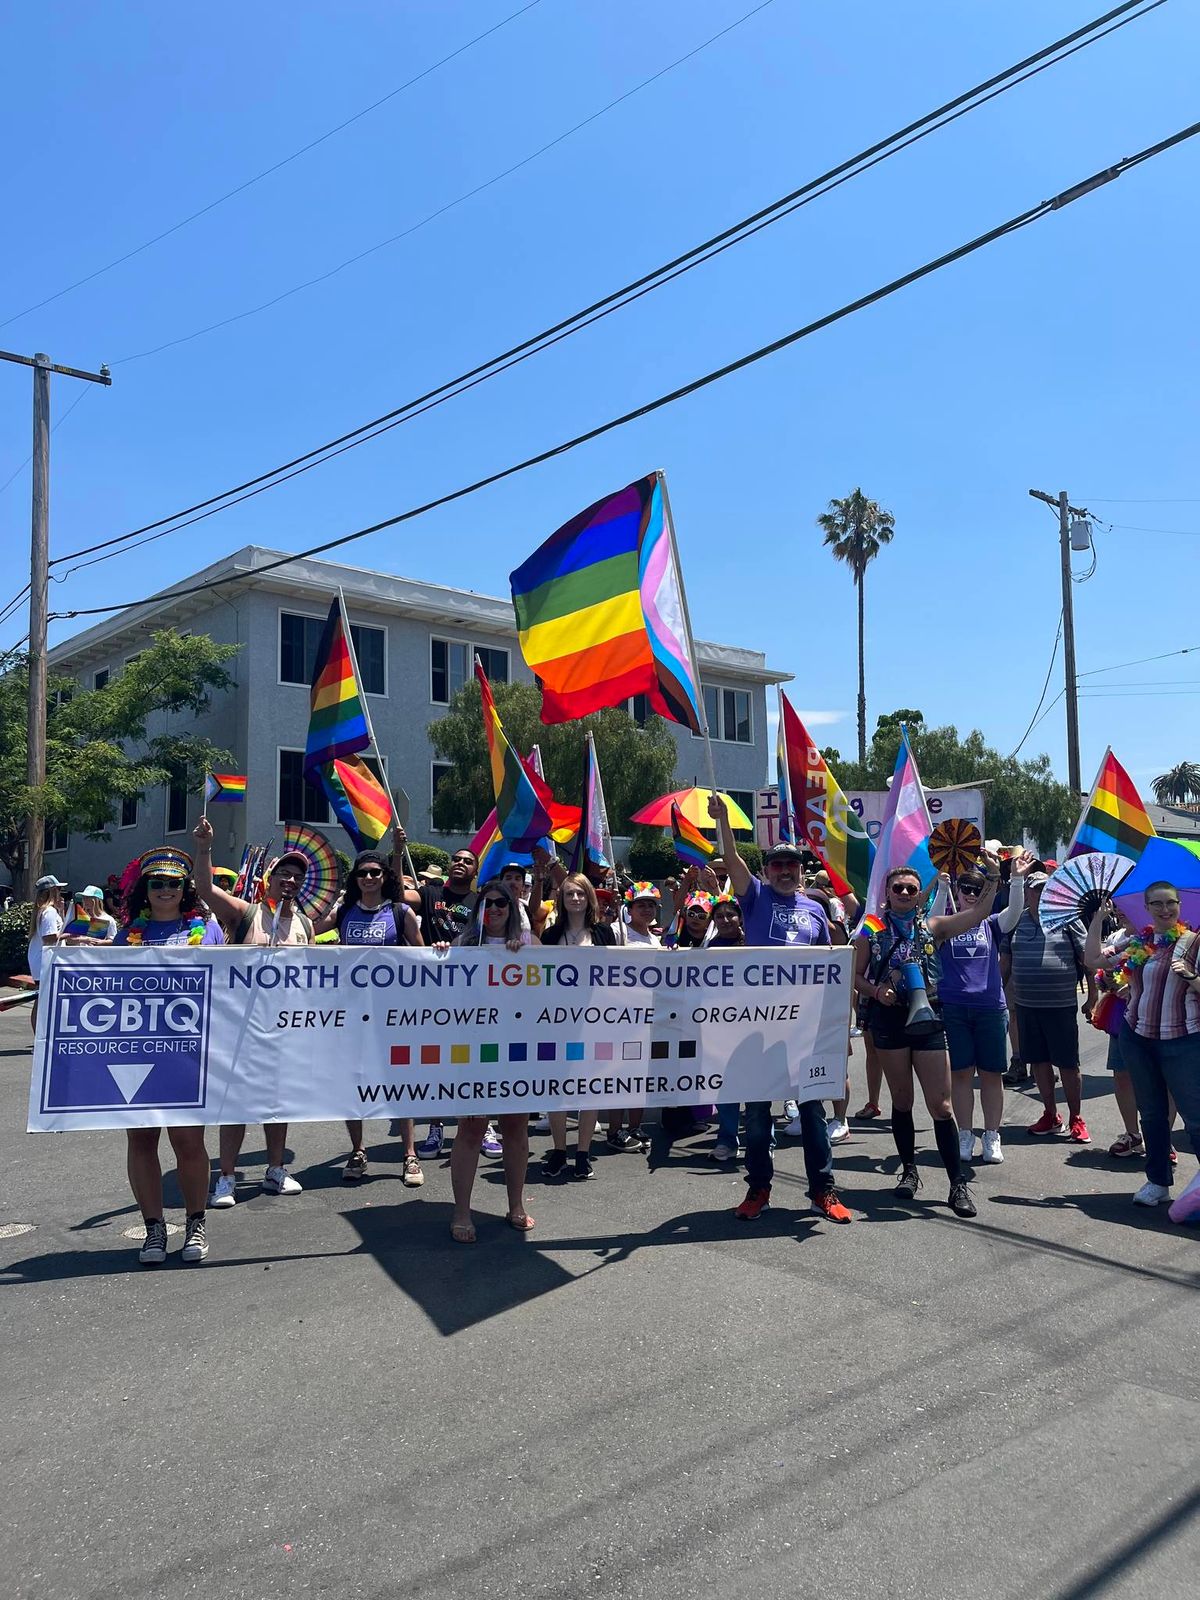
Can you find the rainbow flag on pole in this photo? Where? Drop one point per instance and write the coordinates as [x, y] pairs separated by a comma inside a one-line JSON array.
[[224, 788], [1114, 818], [337, 723], [690, 844], [521, 815], [600, 611], [360, 802], [814, 810]]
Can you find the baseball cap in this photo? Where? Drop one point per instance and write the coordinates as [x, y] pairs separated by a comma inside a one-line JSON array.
[[783, 852], [50, 882], [1036, 879], [90, 893]]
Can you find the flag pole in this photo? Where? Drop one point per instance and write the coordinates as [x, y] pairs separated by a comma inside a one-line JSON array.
[[204, 793], [787, 815], [349, 637], [687, 623], [607, 834]]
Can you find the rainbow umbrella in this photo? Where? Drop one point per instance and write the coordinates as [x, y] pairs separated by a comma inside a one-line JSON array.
[[1168, 861], [693, 803], [322, 878]]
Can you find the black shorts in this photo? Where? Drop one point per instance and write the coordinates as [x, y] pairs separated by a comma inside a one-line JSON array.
[[1049, 1033], [889, 1033]]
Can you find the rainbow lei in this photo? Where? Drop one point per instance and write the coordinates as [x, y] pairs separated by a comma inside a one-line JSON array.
[[1143, 946], [135, 931]]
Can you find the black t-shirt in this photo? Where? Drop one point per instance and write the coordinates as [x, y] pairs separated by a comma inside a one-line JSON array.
[[444, 916]]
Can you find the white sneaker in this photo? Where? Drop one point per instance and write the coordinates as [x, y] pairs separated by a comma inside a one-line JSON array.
[[838, 1130], [540, 1124], [992, 1152], [224, 1193], [855, 1031], [278, 1180], [791, 1109], [1151, 1194], [966, 1144], [795, 1128], [725, 1152]]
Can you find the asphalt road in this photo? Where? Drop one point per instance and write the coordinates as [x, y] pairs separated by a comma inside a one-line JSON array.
[[642, 1398]]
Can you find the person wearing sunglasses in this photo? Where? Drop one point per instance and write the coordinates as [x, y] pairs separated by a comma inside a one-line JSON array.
[[1160, 1036], [497, 924], [975, 1012], [372, 913], [729, 931], [777, 912], [577, 921], [163, 909], [884, 975]]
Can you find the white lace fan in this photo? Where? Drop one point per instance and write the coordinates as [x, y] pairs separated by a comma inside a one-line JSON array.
[[1076, 888]]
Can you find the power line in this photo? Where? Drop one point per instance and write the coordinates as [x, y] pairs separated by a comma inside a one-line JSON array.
[[275, 167], [1130, 527], [1045, 685], [1107, 500], [1021, 220], [1141, 661], [969, 100], [15, 475], [450, 205]]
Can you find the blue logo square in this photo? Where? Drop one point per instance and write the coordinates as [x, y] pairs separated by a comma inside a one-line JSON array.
[[137, 1037]]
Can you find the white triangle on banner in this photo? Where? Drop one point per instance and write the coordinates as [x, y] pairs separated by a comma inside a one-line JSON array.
[[129, 1076]]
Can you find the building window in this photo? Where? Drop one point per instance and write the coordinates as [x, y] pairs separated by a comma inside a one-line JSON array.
[[55, 837], [129, 811], [298, 640], [452, 664], [727, 712], [743, 798], [100, 679], [298, 800], [177, 800], [639, 709]]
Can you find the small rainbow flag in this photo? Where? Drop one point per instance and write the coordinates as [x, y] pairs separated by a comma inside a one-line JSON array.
[[871, 923], [224, 788], [690, 844], [522, 816], [1114, 818], [337, 723], [360, 802], [600, 611]]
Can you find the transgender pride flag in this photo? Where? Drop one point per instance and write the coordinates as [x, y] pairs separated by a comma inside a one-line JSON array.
[[904, 833]]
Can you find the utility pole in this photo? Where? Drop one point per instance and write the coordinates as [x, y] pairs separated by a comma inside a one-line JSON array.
[[1066, 511], [39, 585]]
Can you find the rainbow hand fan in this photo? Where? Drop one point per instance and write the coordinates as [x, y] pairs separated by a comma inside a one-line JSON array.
[[1075, 889], [323, 879]]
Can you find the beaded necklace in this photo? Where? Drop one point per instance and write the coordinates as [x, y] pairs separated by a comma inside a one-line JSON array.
[[1144, 946], [136, 930]]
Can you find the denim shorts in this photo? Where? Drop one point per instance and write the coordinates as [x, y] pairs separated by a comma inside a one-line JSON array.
[[977, 1037]]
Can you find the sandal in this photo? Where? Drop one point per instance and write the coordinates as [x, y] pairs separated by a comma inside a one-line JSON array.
[[462, 1232], [1129, 1144], [520, 1220]]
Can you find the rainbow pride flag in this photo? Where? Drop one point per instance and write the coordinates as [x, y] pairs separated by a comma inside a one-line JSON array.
[[360, 802], [224, 788], [816, 812], [337, 723], [1114, 818], [600, 611], [521, 815], [690, 844]]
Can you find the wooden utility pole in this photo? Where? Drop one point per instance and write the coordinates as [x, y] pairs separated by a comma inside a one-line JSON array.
[[39, 584], [1066, 510]]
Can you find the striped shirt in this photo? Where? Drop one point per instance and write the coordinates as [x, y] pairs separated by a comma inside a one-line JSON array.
[[1163, 1005], [1046, 967]]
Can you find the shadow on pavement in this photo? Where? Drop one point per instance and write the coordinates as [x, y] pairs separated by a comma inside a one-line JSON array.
[[1100, 1578]]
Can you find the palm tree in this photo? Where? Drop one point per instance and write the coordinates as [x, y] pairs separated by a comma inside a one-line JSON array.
[[856, 530], [1179, 786]]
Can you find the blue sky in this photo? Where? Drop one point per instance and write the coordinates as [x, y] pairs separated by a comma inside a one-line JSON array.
[[1061, 357]]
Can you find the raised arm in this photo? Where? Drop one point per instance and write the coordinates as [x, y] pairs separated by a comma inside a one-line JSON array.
[[1093, 945], [943, 928], [228, 907], [739, 873], [1011, 914]]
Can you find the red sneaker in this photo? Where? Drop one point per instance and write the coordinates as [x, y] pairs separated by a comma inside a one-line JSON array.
[[830, 1206], [1048, 1122], [868, 1112], [753, 1206], [1079, 1131]]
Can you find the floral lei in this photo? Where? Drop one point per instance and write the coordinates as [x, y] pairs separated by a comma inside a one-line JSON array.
[[1143, 946], [135, 930]]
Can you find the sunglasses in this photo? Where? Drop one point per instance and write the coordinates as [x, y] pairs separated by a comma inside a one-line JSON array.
[[1162, 905], [164, 883], [495, 905], [462, 861], [369, 872], [905, 889], [971, 887]]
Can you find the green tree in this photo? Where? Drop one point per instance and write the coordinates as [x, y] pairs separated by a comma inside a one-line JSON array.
[[856, 530], [636, 764], [1020, 797], [1178, 787], [98, 752]]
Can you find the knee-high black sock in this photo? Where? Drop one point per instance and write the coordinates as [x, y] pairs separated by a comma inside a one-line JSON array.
[[905, 1135], [945, 1131]]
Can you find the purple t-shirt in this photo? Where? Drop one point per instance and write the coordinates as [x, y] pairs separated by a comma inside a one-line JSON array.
[[174, 932], [970, 968], [772, 918], [377, 927]]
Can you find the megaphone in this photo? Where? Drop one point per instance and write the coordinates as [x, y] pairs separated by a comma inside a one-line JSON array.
[[921, 1016]]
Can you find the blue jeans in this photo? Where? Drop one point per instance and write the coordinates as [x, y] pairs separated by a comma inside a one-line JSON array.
[[976, 1036], [1158, 1067], [727, 1123], [818, 1152]]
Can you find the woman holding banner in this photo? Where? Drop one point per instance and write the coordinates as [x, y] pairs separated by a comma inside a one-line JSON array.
[[497, 923], [577, 921], [163, 909], [896, 970]]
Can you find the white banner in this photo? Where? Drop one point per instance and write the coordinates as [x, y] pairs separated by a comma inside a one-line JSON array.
[[152, 1038], [966, 804]]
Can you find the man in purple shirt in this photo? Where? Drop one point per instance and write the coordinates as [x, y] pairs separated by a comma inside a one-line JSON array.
[[777, 913]]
